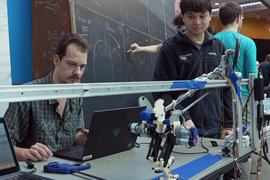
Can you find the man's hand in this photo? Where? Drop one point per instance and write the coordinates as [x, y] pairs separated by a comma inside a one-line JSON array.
[[37, 152], [190, 124], [80, 138], [226, 132]]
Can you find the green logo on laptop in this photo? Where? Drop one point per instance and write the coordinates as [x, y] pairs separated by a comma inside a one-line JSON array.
[[116, 132]]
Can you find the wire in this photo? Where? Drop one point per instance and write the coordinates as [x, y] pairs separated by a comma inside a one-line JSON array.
[[262, 157], [207, 150], [203, 152], [95, 177], [137, 145], [30, 165], [184, 124], [245, 107], [265, 151]]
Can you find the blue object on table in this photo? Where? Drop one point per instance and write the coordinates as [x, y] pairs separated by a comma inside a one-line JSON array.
[[194, 167], [64, 168]]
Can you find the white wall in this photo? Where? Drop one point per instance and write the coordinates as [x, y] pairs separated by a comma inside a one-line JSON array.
[[5, 72]]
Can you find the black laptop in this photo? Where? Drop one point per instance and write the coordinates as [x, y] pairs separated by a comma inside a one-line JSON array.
[[108, 135], [9, 166]]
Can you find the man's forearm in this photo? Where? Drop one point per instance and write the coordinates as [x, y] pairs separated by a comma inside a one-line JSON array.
[[20, 153]]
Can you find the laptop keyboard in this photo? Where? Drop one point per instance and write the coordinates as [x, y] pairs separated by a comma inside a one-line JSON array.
[[22, 176], [76, 152]]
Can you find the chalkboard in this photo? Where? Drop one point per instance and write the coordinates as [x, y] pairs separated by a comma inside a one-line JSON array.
[[51, 22], [139, 64], [108, 8], [156, 19], [107, 58], [110, 27], [154, 56], [134, 14], [169, 15]]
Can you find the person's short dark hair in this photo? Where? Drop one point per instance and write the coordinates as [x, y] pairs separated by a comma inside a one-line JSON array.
[[68, 39], [229, 12], [211, 30], [195, 6], [178, 21]]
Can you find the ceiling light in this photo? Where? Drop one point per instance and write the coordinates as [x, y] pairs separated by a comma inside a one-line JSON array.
[[216, 4], [246, 6]]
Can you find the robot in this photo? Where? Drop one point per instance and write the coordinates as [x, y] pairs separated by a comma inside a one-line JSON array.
[[155, 126]]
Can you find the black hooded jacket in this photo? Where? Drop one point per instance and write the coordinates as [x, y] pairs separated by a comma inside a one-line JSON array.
[[180, 59]]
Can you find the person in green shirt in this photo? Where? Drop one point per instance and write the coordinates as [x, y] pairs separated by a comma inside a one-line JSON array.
[[231, 17]]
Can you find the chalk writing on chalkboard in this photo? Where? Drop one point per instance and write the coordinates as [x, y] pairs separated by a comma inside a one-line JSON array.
[[132, 69], [140, 55], [102, 55], [140, 66], [63, 18], [50, 19], [110, 27], [117, 59], [106, 38]]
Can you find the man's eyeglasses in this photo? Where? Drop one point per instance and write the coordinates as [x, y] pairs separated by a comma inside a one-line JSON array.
[[73, 66]]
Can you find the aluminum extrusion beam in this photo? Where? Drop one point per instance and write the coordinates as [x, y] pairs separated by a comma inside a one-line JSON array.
[[17, 93]]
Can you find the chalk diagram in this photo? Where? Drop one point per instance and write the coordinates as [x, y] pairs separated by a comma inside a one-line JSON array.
[[102, 62], [54, 7], [132, 69], [117, 59], [116, 55], [141, 57], [133, 63], [63, 18]]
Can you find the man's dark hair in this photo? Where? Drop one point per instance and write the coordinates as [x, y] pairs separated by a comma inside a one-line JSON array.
[[195, 6], [68, 39], [178, 20], [229, 12], [211, 30]]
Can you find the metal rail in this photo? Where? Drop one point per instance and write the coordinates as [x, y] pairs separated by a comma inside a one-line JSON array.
[[17, 93]]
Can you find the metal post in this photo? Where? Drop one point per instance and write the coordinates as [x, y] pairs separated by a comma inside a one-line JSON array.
[[237, 119], [254, 134]]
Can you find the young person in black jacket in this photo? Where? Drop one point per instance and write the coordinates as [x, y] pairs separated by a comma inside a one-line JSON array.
[[187, 55]]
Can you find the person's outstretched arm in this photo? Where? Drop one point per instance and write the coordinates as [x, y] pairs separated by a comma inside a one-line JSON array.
[[150, 49]]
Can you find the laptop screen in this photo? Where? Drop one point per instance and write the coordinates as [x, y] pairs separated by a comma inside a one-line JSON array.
[[8, 160]]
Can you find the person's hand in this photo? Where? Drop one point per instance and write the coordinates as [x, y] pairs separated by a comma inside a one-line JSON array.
[[37, 152], [80, 138], [226, 132], [190, 124], [135, 48], [86, 132]]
